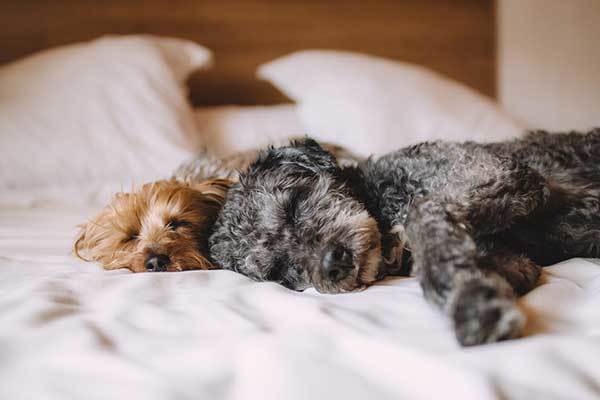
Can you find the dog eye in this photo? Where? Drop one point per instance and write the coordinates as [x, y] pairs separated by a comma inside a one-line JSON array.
[[130, 238], [178, 223], [275, 274], [292, 208]]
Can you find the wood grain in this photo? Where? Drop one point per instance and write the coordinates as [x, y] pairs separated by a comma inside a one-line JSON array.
[[454, 37]]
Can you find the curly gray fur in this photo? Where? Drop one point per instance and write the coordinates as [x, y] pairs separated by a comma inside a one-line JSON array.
[[473, 222], [206, 165]]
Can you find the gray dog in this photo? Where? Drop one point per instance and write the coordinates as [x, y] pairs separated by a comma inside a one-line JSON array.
[[473, 222]]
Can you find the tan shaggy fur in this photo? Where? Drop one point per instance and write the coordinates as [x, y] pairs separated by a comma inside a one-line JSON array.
[[166, 217]]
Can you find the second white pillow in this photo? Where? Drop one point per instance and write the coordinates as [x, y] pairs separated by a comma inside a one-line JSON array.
[[373, 105]]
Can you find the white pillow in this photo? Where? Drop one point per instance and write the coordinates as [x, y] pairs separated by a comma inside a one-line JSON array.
[[229, 129], [81, 121], [374, 105]]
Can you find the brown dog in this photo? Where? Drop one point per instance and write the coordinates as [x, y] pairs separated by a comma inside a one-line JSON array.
[[161, 227]]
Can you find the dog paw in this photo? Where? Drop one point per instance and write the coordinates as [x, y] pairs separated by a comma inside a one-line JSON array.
[[481, 316]]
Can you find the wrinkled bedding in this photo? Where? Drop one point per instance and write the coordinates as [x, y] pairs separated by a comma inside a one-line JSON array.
[[68, 329]]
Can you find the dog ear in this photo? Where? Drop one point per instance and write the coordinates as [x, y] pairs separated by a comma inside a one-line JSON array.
[[89, 236], [93, 242], [213, 189], [354, 180], [305, 156], [308, 153], [306, 142], [78, 246]]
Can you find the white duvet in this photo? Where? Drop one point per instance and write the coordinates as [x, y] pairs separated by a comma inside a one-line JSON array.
[[70, 330]]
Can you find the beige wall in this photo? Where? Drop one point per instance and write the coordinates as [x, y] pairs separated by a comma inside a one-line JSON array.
[[549, 62]]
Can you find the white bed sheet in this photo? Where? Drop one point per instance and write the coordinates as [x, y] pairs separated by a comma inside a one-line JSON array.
[[68, 329]]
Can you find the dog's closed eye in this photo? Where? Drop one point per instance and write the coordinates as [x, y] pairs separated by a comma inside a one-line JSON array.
[[130, 238], [277, 270], [292, 207], [175, 224]]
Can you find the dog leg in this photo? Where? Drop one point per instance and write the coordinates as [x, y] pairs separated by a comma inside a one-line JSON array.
[[516, 192], [480, 302], [569, 225]]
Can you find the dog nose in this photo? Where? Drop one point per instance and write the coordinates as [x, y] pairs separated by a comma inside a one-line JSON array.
[[336, 263], [157, 262]]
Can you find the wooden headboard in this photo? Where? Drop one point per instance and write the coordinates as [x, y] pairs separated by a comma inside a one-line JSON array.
[[454, 37]]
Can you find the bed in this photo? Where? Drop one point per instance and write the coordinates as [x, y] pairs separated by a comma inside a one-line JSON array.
[[69, 329]]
